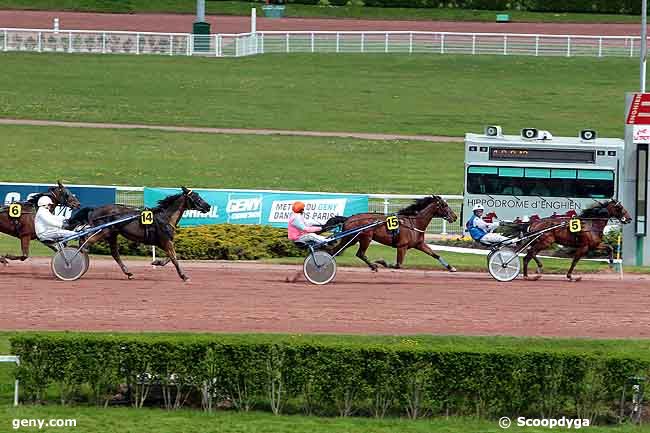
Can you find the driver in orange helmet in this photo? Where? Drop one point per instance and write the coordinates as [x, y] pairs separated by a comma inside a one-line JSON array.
[[298, 230]]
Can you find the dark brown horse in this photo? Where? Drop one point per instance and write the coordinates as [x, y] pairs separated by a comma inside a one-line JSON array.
[[160, 233], [590, 236], [23, 226], [413, 221]]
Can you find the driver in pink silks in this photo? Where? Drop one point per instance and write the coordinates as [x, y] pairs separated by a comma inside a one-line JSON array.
[[298, 230]]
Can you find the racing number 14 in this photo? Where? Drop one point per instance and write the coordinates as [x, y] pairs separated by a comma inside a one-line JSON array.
[[146, 217]]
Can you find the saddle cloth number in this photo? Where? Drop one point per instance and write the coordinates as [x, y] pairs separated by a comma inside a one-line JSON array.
[[392, 223], [15, 210], [575, 225], [146, 217]]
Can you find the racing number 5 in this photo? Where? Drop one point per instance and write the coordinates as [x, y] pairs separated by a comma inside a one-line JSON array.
[[575, 225]]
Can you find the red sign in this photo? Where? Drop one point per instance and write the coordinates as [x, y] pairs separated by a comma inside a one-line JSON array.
[[639, 113]]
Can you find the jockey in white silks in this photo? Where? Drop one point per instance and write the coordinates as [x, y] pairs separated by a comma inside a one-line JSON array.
[[482, 231], [49, 227]]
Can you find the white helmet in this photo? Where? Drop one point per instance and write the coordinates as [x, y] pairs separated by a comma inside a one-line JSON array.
[[44, 201], [477, 207]]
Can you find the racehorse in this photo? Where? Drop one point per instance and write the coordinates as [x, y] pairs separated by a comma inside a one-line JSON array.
[[160, 233], [23, 226], [590, 237], [413, 221]]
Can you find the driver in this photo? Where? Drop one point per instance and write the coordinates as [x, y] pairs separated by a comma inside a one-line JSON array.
[[48, 227], [298, 230], [482, 231]]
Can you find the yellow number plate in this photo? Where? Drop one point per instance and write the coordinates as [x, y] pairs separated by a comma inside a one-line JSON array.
[[575, 225], [392, 222], [15, 210], [146, 217]]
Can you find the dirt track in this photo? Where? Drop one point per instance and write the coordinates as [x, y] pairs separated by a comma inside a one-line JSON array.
[[230, 24], [244, 297]]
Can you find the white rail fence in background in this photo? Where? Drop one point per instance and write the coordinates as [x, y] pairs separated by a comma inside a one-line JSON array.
[[245, 44], [382, 203]]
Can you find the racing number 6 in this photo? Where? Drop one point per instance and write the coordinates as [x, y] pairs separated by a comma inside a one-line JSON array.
[[146, 217], [15, 210]]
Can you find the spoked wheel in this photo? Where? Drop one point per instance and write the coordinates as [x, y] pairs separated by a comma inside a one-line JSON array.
[[69, 264], [504, 264], [319, 267]]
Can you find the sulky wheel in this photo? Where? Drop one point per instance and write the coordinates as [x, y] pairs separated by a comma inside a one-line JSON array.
[[69, 264], [504, 265], [319, 267]]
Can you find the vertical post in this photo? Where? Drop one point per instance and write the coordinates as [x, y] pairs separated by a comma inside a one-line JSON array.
[[411, 43], [103, 43], [69, 42], [505, 45], [137, 43], [216, 45], [312, 42], [600, 46], [5, 41], [262, 43], [200, 11], [171, 45], [568, 46], [537, 45], [253, 21], [189, 42], [363, 40], [444, 227], [631, 47], [644, 41], [153, 254], [386, 42], [338, 37], [386, 202], [236, 46], [287, 42], [473, 44], [16, 391], [442, 44]]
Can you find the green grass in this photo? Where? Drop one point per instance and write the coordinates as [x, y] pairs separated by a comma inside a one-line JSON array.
[[417, 94], [141, 157], [310, 11]]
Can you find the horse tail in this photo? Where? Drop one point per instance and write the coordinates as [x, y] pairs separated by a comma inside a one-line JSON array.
[[334, 223], [80, 217]]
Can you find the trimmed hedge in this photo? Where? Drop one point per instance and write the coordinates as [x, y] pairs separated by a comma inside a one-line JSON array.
[[287, 375], [219, 242]]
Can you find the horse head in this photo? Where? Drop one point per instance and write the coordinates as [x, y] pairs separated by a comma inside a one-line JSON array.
[[445, 211], [62, 196], [616, 210], [194, 201]]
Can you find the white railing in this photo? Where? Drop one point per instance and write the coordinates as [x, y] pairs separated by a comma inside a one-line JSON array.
[[14, 360], [245, 44]]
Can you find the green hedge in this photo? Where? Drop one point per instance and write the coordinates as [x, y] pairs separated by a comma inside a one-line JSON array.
[[219, 242], [342, 378]]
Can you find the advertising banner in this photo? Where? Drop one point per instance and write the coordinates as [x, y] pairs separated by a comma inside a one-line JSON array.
[[262, 207]]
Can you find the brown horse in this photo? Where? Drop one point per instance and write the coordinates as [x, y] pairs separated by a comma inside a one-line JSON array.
[[160, 233], [413, 221], [590, 236], [23, 226]]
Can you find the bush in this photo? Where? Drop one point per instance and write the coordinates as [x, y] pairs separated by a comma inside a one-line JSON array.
[[343, 378], [219, 242]]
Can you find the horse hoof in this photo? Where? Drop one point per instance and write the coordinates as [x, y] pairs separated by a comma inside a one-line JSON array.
[[185, 278], [574, 279], [130, 276], [374, 269], [533, 278], [452, 269]]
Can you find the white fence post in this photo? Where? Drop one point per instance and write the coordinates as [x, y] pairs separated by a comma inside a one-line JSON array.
[[216, 45], [473, 44], [386, 42], [444, 227], [5, 42], [16, 390], [312, 42], [568, 46], [287, 42], [137, 43], [69, 42], [187, 48], [411, 43], [600, 46], [632, 47], [536, 45], [103, 43], [363, 41], [236, 46], [338, 37], [171, 45], [261, 44], [40, 45], [442, 43], [505, 45], [386, 202]]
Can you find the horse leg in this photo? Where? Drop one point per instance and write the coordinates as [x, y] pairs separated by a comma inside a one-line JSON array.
[[425, 249], [115, 252], [364, 243], [24, 247], [532, 255], [401, 252], [579, 253], [171, 253], [161, 262]]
